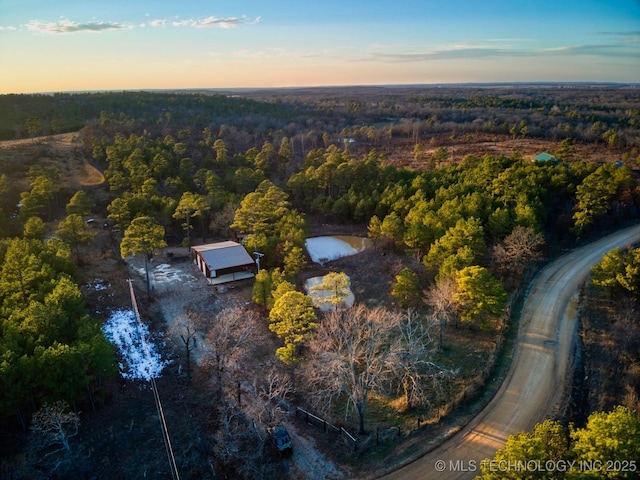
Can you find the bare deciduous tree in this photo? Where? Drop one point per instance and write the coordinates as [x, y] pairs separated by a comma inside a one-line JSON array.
[[242, 429], [221, 220], [269, 394], [442, 300], [521, 248], [55, 424], [363, 350], [231, 332], [241, 444], [417, 376], [186, 327], [351, 354]]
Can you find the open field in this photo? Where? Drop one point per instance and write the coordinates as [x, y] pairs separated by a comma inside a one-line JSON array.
[[61, 151], [496, 145]]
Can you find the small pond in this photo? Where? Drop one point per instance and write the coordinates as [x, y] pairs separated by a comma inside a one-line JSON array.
[[324, 249]]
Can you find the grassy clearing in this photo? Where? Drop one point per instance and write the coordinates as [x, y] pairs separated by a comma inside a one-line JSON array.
[[59, 151]]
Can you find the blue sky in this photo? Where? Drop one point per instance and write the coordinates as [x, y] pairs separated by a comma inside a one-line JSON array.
[[103, 45]]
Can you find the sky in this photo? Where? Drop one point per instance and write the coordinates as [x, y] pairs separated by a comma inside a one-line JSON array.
[[71, 45]]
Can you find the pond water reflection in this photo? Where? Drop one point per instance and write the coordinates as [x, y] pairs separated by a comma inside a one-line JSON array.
[[324, 249]]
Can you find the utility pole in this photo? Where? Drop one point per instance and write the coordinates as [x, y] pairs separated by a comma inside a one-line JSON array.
[[258, 257]]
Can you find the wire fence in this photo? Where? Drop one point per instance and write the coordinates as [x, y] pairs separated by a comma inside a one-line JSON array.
[[327, 427]]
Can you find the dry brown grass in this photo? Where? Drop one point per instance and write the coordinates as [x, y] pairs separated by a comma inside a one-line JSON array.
[[59, 151], [89, 176], [497, 145]]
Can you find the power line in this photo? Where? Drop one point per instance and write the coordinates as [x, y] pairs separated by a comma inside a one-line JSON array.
[[175, 475]]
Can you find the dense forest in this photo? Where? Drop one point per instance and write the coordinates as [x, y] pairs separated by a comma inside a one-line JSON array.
[[270, 167], [606, 114]]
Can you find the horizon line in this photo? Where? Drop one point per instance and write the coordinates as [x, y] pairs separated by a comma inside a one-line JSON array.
[[336, 86]]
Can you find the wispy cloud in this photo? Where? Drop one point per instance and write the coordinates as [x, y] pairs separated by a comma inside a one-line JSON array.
[[628, 37], [67, 26], [158, 23], [442, 54], [627, 33], [228, 22], [208, 22], [459, 52], [609, 50]]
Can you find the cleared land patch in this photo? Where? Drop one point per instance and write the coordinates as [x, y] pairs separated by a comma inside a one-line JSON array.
[[60, 151]]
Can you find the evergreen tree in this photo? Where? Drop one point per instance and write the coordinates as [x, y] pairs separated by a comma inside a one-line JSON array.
[[80, 204], [143, 236], [406, 289], [292, 318], [73, 231], [480, 295]]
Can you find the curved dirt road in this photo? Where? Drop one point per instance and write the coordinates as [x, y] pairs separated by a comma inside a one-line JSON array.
[[535, 385]]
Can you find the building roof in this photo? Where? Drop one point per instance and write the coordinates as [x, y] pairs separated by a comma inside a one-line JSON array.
[[545, 157], [223, 255]]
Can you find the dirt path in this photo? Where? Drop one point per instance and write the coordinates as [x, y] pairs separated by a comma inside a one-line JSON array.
[[534, 388], [309, 462], [61, 138]]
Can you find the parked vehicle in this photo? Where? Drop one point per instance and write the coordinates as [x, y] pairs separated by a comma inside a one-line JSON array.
[[282, 439]]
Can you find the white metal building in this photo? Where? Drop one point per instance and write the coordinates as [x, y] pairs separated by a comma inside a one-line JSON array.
[[223, 262]]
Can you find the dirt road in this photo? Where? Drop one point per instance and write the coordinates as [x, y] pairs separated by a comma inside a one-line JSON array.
[[535, 386]]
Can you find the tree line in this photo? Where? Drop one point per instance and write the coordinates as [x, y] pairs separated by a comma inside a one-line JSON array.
[[408, 208], [25, 116], [602, 114]]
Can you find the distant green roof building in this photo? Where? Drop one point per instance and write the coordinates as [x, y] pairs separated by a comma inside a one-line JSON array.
[[544, 157]]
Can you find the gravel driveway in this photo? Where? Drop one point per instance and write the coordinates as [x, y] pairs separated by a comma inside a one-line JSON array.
[[178, 286]]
